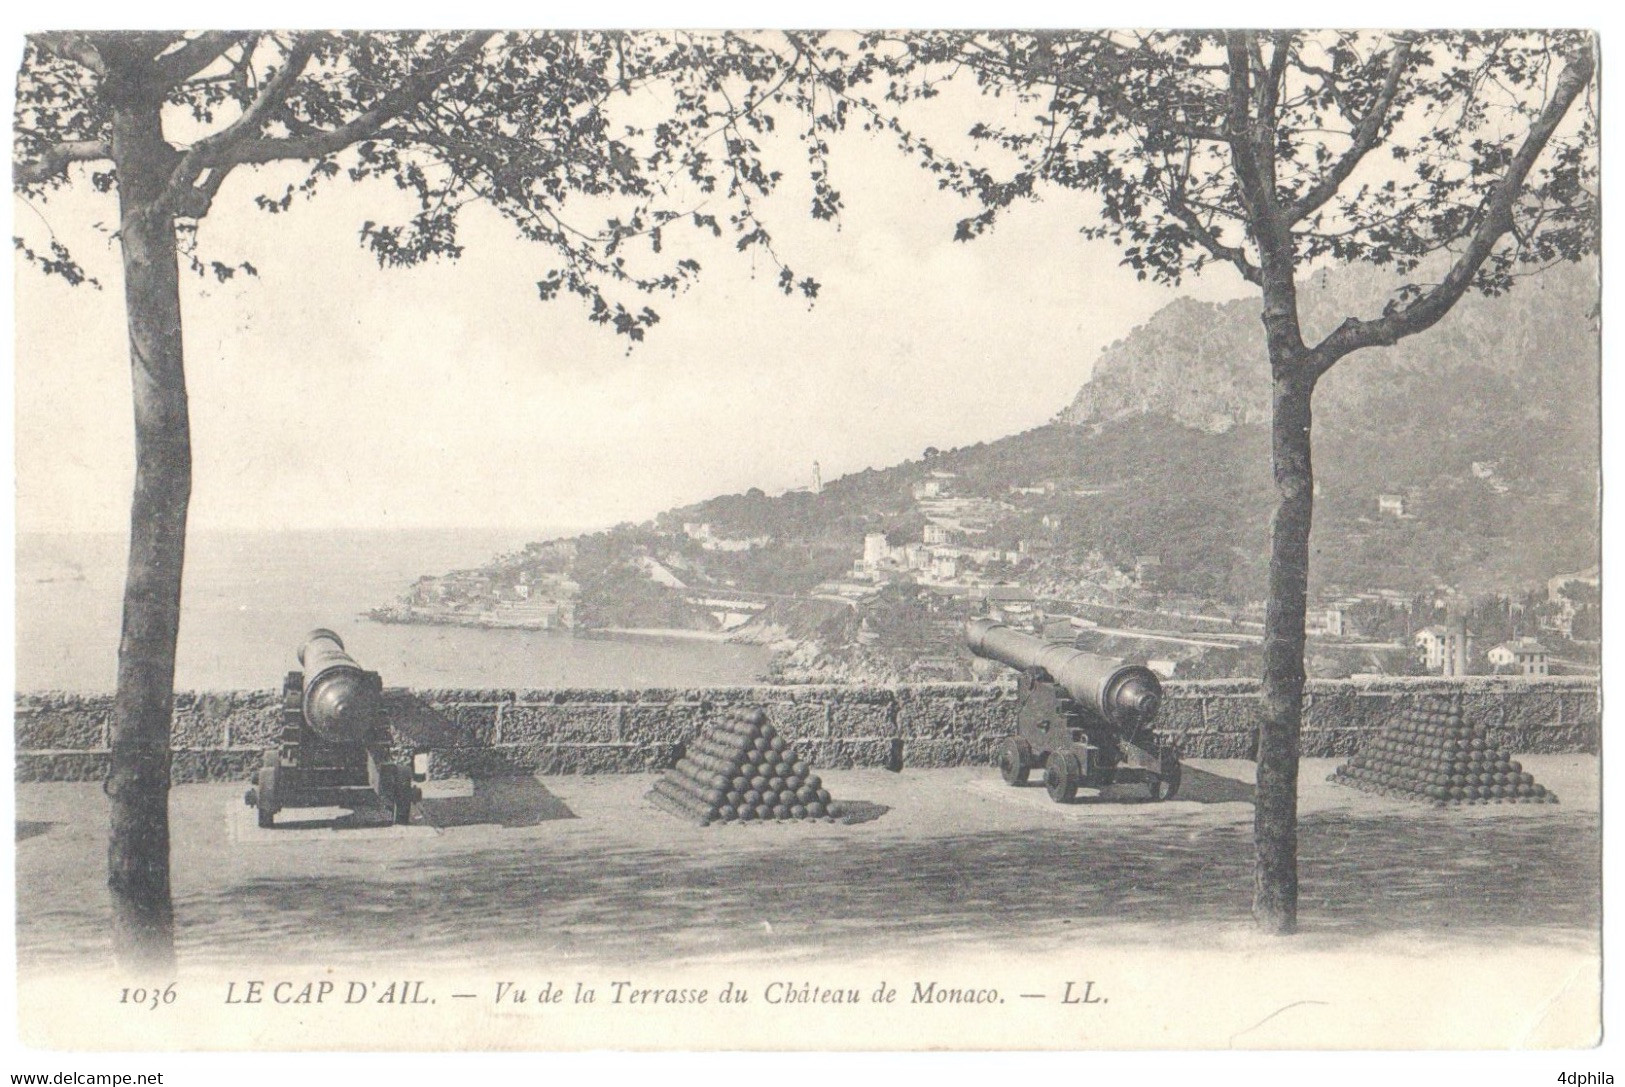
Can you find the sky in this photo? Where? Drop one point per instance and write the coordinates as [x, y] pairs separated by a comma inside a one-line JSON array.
[[328, 393]]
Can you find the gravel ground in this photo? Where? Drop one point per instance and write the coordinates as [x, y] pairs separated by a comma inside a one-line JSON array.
[[585, 870]]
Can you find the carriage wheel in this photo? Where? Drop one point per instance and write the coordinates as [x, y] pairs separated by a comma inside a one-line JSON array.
[[1061, 776], [395, 789], [266, 798], [1165, 786], [1015, 760]]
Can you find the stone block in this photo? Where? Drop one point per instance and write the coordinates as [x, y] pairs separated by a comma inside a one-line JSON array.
[[864, 713], [935, 715], [1216, 745], [1179, 716], [51, 726], [797, 719], [253, 725], [839, 754], [188, 767], [199, 721], [957, 751], [1533, 707], [1232, 714], [663, 722], [460, 724], [61, 765], [1483, 707], [571, 722]]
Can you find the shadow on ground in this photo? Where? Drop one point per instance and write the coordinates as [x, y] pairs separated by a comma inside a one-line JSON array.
[[1362, 874], [1195, 786], [27, 829], [513, 801], [862, 811]]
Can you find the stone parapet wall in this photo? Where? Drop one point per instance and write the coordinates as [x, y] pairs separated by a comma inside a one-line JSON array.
[[220, 736]]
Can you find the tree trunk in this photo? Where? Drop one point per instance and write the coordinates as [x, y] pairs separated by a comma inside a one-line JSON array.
[[1275, 815], [138, 779]]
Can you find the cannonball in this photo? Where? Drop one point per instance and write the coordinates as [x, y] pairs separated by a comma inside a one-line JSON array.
[[768, 729], [764, 812], [802, 767], [793, 782], [835, 808], [753, 797], [758, 782], [775, 783], [747, 813], [806, 794], [761, 743], [816, 809], [739, 783], [798, 811], [823, 796], [757, 717], [770, 797]]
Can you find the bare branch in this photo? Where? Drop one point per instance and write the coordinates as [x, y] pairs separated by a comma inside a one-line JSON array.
[[1426, 310], [1366, 136], [56, 160]]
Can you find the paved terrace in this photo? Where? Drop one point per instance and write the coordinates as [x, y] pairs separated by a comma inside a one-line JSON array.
[[582, 870]]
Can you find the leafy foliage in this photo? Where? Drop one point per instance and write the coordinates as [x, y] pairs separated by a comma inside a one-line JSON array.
[[597, 146], [1183, 136]]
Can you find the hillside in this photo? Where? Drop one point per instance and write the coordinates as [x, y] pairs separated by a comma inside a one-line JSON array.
[[1482, 434]]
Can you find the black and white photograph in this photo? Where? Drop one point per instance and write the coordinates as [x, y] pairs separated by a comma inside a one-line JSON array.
[[774, 540]]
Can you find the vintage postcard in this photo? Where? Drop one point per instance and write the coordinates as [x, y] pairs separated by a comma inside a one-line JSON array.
[[805, 540]]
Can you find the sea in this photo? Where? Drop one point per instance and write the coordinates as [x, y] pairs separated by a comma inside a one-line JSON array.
[[249, 598]]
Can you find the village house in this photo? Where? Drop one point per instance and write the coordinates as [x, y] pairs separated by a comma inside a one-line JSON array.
[[1524, 657]]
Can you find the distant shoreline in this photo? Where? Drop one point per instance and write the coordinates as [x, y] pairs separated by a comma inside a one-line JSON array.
[[678, 633], [420, 616]]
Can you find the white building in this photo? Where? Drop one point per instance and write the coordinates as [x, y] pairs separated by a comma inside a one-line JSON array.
[[875, 549], [1525, 657]]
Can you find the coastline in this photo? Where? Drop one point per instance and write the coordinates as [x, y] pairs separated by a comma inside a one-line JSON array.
[[668, 633]]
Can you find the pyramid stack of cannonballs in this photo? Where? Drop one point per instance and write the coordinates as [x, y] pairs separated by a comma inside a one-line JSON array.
[[741, 769], [1435, 756]]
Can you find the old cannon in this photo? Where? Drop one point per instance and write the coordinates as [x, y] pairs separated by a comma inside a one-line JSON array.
[[1085, 719], [336, 746]]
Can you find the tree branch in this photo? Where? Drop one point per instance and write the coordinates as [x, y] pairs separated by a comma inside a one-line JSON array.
[[56, 160], [213, 150], [1204, 235], [72, 47], [1422, 313], [1366, 136], [321, 144], [196, 54], [1090, 80]]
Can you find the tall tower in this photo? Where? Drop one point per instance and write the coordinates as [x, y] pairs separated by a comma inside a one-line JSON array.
[[818, 479]]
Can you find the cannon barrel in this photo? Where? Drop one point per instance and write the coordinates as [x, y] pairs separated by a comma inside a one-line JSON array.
[[341, 699], [1125, 696]]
